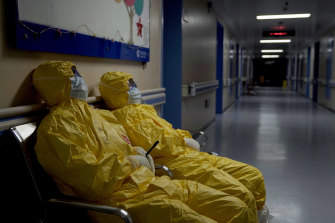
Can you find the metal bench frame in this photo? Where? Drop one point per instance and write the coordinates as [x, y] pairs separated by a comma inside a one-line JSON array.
[[22, 134]]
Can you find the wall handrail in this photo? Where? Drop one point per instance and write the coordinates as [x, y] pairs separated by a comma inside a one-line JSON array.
[[27, 109], [307, 80], [156, 99], [152, 91], [154, 96], [20, 110], [12, 116], [196, 88], [226, 82], [324, 82]]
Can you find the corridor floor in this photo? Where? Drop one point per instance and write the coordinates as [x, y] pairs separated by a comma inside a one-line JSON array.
[[292, 141]]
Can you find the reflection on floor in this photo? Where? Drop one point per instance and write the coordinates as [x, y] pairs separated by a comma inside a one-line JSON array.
[[292, 141]]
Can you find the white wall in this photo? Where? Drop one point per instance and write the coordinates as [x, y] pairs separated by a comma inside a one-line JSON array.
[[228, 98], [302, 56], [304, 76], [16, 65], [311, 77], [289, 73], [322, 99]]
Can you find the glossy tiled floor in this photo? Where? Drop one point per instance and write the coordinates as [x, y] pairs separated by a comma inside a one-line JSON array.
[[292, 141]]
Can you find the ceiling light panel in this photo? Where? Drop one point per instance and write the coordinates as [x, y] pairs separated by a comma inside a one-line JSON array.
[[272, 51], [270, 56], [275, 41], [284, 16]]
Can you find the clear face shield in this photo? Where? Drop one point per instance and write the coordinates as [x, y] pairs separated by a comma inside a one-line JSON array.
[[134, 94], [79, 88]]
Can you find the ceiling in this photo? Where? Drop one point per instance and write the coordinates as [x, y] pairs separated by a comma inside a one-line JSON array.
[[240, 17]]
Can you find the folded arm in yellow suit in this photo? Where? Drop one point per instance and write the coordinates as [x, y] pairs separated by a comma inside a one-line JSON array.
[[144, 127], [87, 154]]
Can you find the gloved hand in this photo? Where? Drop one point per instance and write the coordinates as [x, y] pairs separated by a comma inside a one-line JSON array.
[[192, 143], [142, 160]]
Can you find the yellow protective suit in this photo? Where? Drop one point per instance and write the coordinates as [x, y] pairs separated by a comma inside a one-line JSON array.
[[144, 127], [85, 151]]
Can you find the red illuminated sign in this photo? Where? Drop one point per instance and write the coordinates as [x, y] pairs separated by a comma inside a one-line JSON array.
[[278, 34]]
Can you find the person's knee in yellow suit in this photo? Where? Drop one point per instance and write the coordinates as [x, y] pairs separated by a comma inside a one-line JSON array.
[[88, 154], [248, 175], [144, 127]]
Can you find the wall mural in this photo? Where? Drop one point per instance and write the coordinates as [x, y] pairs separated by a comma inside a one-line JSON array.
[[103, 28]]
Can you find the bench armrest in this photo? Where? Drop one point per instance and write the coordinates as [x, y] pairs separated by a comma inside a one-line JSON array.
[[123, 214], [166, 169], [213, 153]]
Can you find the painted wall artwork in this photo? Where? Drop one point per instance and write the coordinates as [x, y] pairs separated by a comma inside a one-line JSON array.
[[102, 28]]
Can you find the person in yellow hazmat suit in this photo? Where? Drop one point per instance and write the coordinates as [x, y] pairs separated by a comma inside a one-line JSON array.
[[176, 149], [88, 154]]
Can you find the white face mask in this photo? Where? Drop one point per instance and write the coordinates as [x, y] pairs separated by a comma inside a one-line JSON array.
[[134, 95], [79, 88]]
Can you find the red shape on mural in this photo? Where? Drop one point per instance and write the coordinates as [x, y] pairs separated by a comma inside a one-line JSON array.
[[139, 27], [129, 2]]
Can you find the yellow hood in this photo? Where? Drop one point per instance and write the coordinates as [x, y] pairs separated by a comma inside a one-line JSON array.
[[52, 81], [114, 88]]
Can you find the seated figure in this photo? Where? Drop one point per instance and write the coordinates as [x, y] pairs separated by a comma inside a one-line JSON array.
[[144, 127], [88, 154]]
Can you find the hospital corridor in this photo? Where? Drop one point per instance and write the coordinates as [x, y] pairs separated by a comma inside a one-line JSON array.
[[167, 111], [291, 140]]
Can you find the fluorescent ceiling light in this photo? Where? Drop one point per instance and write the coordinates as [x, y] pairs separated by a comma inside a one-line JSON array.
[[270, 56], [284, 16], [275, 41], [272, 51]]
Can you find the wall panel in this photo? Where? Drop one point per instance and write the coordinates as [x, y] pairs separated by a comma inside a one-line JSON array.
[[198, 61]]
